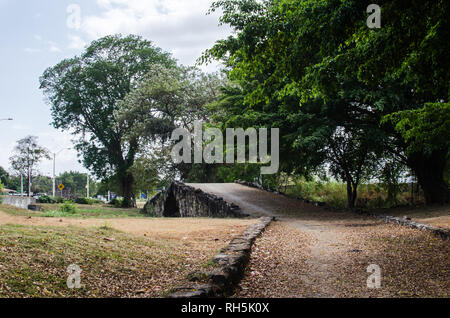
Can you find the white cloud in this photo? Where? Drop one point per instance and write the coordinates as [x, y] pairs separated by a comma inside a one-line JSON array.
[[178, 26], [76, 42], [53, 47], [19, 127], [32, 50]]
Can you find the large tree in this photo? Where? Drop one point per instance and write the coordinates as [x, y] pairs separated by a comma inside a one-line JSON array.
[[84, 92], [165, 99], [300, 58], [27, 155]]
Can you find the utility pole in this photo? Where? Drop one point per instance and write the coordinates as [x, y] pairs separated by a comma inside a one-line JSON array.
[[87, 185], [54, 170], [29, 182], [21, 184], [54, 176]]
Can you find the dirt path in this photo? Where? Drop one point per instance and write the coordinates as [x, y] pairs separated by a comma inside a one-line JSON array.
[[312, 252]]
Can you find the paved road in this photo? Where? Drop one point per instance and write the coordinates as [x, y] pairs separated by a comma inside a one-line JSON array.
[[321, 253]]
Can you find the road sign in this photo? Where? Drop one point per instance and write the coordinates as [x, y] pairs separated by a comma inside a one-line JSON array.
[[61, 187]]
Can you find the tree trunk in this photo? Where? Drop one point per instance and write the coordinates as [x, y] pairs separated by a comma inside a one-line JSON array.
[[430, 175], [126, 180], [352, 192]]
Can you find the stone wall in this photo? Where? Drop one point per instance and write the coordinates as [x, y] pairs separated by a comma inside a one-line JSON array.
[[229, 269], [180, 200], [438, 231], [18, 202]]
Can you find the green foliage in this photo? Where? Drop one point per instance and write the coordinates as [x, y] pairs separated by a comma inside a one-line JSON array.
[[331, 193], [317, 72], [59, 199], [4, 176], [68, 207], [146, 174], [165, 99], [371, 196], [231, 173], [84, 93], [42, 184], [46, 200], [76, 182], [425, 129], [86, 201], [118, 203]]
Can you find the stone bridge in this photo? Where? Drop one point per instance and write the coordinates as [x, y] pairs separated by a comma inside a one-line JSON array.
[[182, 200]]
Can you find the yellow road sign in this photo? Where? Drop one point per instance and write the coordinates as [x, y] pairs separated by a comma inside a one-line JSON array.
[[61, 187]]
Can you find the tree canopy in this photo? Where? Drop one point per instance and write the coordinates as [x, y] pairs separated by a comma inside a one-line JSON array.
[[85, 91], [28, 154], [344, 95]]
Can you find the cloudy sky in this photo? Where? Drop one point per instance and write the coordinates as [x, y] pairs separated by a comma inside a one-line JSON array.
[[36, 34]]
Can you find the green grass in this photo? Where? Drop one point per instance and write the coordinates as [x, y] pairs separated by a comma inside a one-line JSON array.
[[82, 211]]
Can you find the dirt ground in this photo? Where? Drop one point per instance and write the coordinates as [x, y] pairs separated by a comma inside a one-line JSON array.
[[313, 252]]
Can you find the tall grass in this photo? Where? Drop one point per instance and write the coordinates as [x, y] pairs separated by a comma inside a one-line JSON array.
[[332, 193], [370, 196]]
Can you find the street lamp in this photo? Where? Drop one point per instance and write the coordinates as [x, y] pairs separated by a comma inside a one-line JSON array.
[[54, 165], [4, 119]]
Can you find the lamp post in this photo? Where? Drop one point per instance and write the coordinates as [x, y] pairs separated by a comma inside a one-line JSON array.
[[54, 166], [87, 185], [6, 119]]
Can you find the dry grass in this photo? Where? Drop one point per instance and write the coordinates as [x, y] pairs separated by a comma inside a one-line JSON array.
[[414, 263], [187, 228], [119, 257]]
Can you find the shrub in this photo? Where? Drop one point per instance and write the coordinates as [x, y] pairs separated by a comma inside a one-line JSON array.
[[59, 200], [69, 207], [86, 201], [46, 200], [118, 203]]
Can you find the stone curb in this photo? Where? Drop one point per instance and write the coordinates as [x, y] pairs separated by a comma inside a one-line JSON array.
[[438, 231], [231, 263]]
